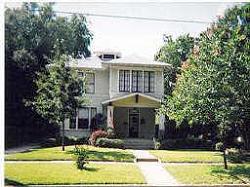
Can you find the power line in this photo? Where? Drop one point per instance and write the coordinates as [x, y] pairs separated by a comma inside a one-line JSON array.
[[134, 17]]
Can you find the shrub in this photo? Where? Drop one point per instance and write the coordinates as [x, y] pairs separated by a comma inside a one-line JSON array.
[[187, 143], [110, 143], [219, 146], [81, 156], [157, 144], [97, 134], [50, 142], [110, 132]]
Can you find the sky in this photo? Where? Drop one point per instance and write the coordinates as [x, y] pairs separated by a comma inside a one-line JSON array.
[[144, 38]]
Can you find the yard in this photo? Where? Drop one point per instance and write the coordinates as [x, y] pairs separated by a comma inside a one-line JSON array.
[[66, 173], [210, 174], [188, 156], [55, 153]]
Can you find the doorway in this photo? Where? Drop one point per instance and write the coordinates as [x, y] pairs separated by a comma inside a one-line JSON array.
[[134, 118]]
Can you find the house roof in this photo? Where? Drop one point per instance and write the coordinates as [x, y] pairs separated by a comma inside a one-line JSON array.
[[136, 60], [94, 62]]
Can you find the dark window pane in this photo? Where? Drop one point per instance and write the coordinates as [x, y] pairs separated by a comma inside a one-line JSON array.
[[83, 118]]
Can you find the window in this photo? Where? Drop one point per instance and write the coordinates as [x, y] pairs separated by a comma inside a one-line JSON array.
[[86, 117], [90, 83], [149, 81], [83, 118], [124, 80], [137, 82], [108, 56]]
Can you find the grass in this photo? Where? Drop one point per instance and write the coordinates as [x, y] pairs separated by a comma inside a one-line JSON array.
[[66, 173], [55, 153], [211, 174], [188, 156]]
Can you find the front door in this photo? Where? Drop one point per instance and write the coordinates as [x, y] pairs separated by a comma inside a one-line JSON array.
[[133, 125]]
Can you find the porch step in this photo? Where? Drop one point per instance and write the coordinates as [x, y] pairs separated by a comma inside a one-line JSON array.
[[138, 143]]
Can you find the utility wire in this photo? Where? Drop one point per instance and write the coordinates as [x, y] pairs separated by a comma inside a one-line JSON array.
[[134, 17]]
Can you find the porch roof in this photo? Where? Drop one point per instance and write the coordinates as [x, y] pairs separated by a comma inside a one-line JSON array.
[[141, 100]]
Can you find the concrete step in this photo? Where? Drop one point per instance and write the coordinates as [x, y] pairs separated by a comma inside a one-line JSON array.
[[138, 143], [146, 160]]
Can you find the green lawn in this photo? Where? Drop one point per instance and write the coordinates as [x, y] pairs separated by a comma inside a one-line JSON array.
[[66, 173], [190, 156], [211, 174], [55, 153]]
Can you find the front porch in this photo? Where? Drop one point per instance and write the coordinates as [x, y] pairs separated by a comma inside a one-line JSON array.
[[133, 116]]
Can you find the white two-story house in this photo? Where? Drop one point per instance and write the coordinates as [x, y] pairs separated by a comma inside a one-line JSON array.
[[126, 90]]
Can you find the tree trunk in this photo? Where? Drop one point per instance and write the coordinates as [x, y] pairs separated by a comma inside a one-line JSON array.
[[63, 135], [225, 159]]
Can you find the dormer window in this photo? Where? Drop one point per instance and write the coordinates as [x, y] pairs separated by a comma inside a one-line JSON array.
[[108, 56]]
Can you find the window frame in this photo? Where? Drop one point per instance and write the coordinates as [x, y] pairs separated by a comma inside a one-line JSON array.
[[150, 84], [124, 81], [138, 83]]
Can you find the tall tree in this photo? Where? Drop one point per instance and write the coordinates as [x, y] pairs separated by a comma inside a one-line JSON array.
[[33, 36], [59, 93], [174, 52], [214, 85]]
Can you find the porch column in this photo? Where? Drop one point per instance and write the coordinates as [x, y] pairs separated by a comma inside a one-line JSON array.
[[161, 126], [110, 112]]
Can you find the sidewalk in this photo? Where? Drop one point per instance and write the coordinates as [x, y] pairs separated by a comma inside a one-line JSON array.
[[153, 171]]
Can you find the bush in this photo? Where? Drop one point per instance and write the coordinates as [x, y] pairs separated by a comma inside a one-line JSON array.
[[81, 156], [219, 146], [50, 142], [238, 156], [157, 144], [110, 132], [97, 134], [188, 143], [110, 143]]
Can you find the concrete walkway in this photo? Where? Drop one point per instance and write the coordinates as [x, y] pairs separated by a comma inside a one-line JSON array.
[[153, 171]]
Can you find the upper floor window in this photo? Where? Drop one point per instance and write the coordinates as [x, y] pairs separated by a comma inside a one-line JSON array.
[[90, 82], [149, 78], [124, 80], [137, 81]]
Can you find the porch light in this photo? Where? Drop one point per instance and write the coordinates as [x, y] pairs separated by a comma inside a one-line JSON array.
[[240, 140]]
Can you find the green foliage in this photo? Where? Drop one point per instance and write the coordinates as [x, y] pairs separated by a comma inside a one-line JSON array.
[[174, 52], [34, 36], [81, 156], [219, 146], [58, 92], [110, 143], [214, 85]]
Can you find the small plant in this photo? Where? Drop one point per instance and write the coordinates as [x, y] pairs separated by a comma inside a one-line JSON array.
[[219, 146], [81, 156], [110, 132]]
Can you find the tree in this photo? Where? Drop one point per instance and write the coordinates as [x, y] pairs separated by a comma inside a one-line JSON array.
[[174, 52], [34, 35], [59, 93], [214, 84]]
